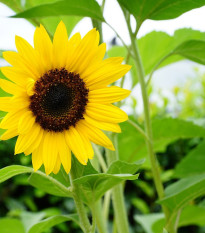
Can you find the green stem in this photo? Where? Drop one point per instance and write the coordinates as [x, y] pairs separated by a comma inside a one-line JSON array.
[[148, 128], [84, 222], [117, 196], [100, 158], [156, 66], [100, 219], [139, 129], [106, 205]]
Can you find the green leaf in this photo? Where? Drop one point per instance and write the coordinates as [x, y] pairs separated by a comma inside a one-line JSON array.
[[132, 145], [154, 223], [47, 223], [49, 185], [89, 8], [179, 194], [8, 225], [193, 163], [148, 221], [29, 219], [159, 9], [94, 186], [13, 170], [164, 44], [120, 167], [192, 215], [193, 50], [51, 23]]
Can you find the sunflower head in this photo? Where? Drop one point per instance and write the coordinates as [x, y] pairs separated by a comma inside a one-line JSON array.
[[60, 99]]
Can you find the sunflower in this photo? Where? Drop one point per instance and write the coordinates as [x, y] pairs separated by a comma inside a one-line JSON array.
[[60, 100]]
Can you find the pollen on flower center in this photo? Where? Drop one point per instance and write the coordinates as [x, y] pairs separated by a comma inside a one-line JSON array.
[[59, 100]]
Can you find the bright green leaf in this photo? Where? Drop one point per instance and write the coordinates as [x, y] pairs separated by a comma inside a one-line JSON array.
[[49, 185], [29, 219], [148, 221], [192, 215], [13, 170], [132, 145], [120, 167], [47, 223], [159, 9], [183, 191], [8, 225], [94, 186], [89, 8], [193, 163], [193, 50]]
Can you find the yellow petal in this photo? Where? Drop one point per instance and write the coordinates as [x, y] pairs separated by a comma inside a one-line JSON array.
[[50, 151], [73, 43], [34, 145], [5, 104], [30, 55], [26, 122], [84, 53], [16, 60], [15, 75], [43, 44], [76, 144], [37, 157], [108, 95], [24, 141], [95, 135], [10, 133], [108, 72], [102, 125], [10, 87], [86, 141], [60, 46], [11, 119], [57, 166], [64, 152], [106, 113]]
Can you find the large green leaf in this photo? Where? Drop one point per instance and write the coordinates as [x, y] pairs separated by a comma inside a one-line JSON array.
[[49, 185], [8, 225], [47, 223], [148, 221], [164, 44], [193, 163], [179, 194], [94, 186], [193, 50], [159, 9], [13, 170], [51, 22], [132, 145], [29, 219], [190, 215], [89, 8]]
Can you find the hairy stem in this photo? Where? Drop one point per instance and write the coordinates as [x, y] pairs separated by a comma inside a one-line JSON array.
[[148, 128], [84, 221], [117, 195]]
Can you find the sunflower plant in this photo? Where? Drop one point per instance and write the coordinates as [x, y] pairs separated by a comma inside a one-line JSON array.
[[62, 103]]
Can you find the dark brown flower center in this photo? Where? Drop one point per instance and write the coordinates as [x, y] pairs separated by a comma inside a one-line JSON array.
[[59, 100]]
